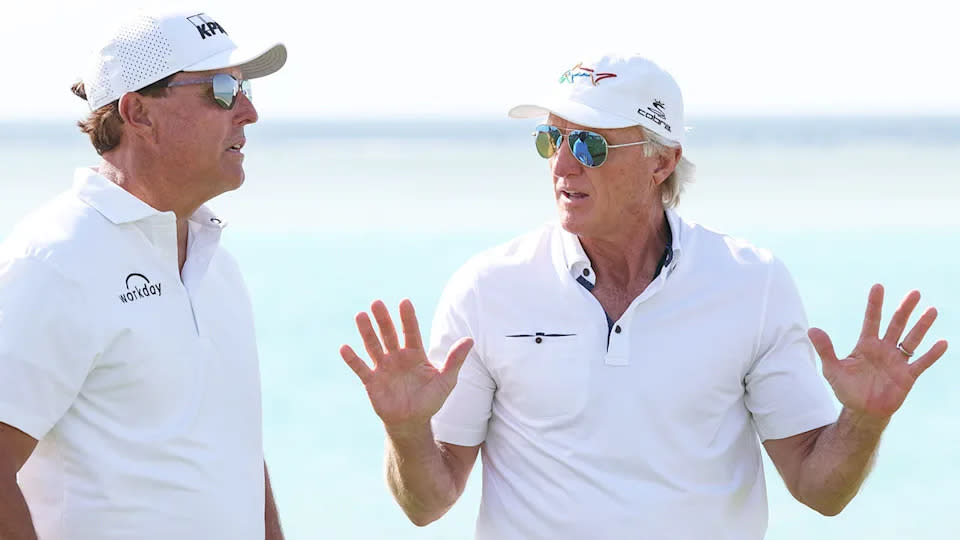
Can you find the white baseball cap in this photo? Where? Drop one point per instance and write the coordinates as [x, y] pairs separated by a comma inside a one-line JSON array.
[[152, 45], [614, 91]]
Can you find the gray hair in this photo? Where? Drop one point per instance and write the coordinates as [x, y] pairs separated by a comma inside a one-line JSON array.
[[683, 174]]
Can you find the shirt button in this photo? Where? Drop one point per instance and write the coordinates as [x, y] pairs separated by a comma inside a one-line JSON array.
[[539, 340], [586, 271], [617, 329]]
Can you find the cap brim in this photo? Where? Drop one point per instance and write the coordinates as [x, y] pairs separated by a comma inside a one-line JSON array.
[[573, 111], [252, 65]]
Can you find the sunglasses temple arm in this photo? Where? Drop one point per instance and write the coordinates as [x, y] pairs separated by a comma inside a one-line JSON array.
[[627, 144]]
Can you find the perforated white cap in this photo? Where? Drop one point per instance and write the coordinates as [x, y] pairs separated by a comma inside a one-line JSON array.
[[150, 46]]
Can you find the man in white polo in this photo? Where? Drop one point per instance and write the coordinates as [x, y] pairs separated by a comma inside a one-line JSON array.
[[131, 400], [621, 368]]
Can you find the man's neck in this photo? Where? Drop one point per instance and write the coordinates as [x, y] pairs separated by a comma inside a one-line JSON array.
[[630, 259], [156, 192]]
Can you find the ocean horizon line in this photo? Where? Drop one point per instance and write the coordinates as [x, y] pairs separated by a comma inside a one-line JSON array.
[[705, 129]]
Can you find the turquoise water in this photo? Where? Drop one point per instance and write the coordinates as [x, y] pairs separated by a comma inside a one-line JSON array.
[[333, 216]]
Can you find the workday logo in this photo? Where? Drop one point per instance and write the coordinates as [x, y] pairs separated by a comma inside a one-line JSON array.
[[578, 71], [138, 286], [206, 25]]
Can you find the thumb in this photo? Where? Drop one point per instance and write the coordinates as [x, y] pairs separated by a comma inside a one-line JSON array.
[[823, 346], [455, 359]]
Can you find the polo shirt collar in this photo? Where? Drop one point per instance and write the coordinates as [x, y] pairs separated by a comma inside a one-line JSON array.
[[578, 264], [120, 206]]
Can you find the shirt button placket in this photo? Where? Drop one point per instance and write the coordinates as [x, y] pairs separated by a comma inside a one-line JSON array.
[[618, 353]]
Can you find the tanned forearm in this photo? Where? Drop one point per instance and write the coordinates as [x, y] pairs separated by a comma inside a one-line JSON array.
[[15, 521], [271, 517], [421, 475], [838, 461]]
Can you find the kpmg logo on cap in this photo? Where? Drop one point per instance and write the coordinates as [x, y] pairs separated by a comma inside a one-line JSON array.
[[206, 25], [657, 113], [139, 287], [578, 70]]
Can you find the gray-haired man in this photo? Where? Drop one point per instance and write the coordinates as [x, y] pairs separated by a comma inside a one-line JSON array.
[[621, 368]]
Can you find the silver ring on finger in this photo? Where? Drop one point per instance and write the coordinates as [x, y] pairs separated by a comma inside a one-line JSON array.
[[904, 350]]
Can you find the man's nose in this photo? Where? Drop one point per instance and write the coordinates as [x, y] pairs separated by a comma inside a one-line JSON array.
[[564, 163], [245, 111]]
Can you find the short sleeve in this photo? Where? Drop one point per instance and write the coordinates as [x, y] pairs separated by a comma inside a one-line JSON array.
[[45, 344], [784, 390], [464, 416]]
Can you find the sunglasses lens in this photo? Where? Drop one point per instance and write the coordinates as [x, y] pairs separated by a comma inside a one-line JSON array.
[[588, 147], [247, 89], [547, 139], [225, 89]]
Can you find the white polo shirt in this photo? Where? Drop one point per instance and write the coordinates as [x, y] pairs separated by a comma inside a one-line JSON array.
[[654, 434], [143, 390]]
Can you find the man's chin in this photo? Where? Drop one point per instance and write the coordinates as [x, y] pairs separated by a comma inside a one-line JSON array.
[[571, 224], [226, 185], [236, 180]]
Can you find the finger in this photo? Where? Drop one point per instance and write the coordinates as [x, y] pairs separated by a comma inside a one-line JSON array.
[[370, 340], [871, 319], [387, 331], [921, 364], [411, 328], [919, 330], [455, 359], [824, 347], [356, 363], [900, 317]]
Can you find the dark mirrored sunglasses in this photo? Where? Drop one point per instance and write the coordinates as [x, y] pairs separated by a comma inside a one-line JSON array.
[[588, 147], [225, 88]]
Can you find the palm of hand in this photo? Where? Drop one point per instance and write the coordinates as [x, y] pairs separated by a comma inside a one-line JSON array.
[[404, 388], [871, 379], [877, 376]]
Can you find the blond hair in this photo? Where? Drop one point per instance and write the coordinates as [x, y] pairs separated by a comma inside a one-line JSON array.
[[683, 174]]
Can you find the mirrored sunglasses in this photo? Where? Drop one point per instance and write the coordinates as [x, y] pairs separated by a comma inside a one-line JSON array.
[[225, 88], [588, 147]]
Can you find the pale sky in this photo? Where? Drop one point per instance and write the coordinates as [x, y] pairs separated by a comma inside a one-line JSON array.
[[449, 59]]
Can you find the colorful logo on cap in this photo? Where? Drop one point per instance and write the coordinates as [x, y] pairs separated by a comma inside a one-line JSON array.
[[578, 70]]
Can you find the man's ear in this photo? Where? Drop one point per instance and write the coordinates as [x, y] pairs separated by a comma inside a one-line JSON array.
[[136, 113], [666, 164]]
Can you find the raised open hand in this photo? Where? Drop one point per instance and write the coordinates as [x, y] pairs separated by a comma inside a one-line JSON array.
[[405, 389], [877, 376]]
